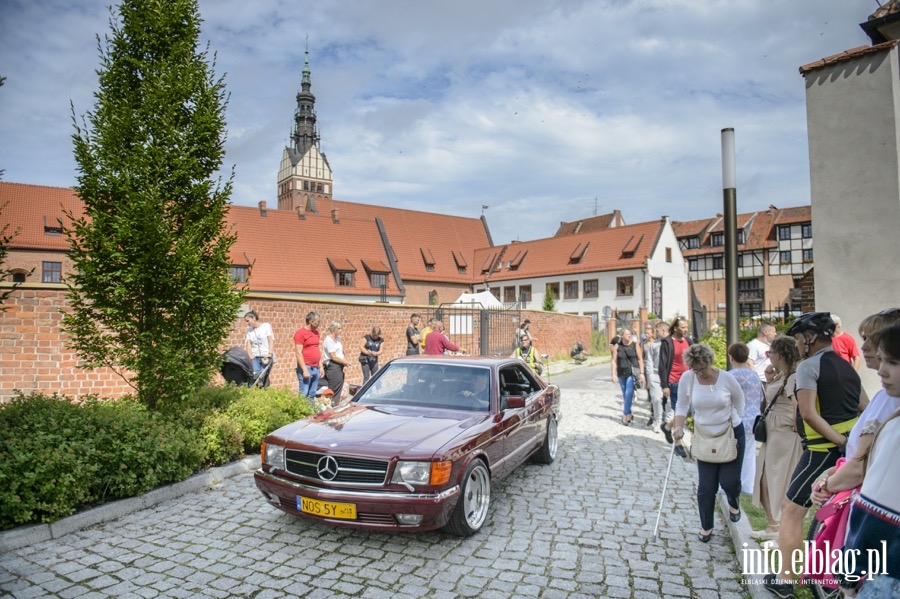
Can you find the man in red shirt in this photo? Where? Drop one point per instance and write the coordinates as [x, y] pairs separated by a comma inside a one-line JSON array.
[[671, 362], [436, 343], [844, 344], [309, 356]]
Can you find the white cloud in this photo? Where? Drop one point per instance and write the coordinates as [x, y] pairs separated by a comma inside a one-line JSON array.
[[532, 108]]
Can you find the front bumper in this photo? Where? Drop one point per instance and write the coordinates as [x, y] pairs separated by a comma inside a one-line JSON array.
[[375, 509]]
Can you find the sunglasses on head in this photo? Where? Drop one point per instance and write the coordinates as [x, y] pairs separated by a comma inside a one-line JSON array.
[[889, 311]]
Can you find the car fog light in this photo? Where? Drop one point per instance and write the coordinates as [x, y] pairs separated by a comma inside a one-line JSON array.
[[409, 519]]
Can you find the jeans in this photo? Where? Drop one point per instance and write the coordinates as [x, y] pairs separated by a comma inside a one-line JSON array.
[[308, 387], [673, 396], [627, 385], [257, 370], [728, 475], [369, 368]]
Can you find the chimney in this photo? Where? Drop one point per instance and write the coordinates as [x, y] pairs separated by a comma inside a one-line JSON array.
[[262, 208], [335, 216]]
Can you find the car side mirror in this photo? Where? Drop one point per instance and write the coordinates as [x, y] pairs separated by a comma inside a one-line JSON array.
[[512, 402]]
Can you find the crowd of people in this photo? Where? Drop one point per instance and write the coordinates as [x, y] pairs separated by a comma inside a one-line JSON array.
[[820, 434]]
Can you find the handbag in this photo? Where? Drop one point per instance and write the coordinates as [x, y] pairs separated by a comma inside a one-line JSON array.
[[636, 374], [715, 449], [759, 423]]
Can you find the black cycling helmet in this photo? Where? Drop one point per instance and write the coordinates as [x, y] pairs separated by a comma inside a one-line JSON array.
[[819, 323]]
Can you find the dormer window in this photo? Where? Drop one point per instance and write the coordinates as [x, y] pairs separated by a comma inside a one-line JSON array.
[[578, 253], [343, 271], [378, 273], [461, 264], [53, 226], [240, 273], [718, 239], [428, 258], [740, 237]]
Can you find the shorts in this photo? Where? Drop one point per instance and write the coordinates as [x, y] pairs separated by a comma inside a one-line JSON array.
[[811, 465]]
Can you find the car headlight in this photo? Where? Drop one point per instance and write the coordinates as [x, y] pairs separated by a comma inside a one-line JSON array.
[[273, 455], [422, 473]]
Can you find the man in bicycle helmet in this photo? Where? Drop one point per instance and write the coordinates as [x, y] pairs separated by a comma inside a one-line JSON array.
[[828, 392]]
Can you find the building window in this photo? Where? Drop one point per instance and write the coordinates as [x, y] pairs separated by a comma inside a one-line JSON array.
[[378, 279], [343, 278], [718, 239], [509, 295], [240, 274], [785, 257], [52, 272], [19, 276], [570, 291], [554, 290], [748, 284], [740, 236], [750, 309], [740, 260], [306, 186], [624, 285], [591, 288], [693, 243], [668, 254], [806, 230], [718, 262], [524, 293], [784, 232], [693, 264], [319, 188], [807, 256]]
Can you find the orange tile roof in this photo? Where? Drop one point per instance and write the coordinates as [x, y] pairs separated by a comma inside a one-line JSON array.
[[847, 55], [601, 250], [36, 210], [595, 223], [761, 233], [419, 236]]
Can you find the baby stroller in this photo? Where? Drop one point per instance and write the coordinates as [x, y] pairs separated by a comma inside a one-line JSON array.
[[237, 368]]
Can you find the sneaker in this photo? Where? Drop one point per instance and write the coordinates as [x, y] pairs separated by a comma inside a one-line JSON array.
[[779, 589], [653, 425], [764, 535], [668, 433]]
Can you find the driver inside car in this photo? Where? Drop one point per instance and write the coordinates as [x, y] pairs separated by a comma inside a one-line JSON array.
[[478, 389]]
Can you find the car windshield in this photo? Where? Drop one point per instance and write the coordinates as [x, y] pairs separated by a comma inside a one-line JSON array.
[[452, 387]]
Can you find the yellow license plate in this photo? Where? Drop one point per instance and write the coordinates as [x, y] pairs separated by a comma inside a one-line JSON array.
[[326, 509]]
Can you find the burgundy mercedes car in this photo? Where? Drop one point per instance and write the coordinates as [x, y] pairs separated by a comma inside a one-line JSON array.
[[417, 448]]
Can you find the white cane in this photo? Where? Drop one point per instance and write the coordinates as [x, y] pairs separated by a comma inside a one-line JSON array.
[[662, 499]]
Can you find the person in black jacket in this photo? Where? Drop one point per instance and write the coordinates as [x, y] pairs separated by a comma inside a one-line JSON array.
[[671, 363]]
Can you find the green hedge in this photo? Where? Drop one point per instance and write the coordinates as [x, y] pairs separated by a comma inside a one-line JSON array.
[[57, 456]]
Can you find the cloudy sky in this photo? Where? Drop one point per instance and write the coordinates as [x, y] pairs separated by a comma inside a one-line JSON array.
[[543, 111]]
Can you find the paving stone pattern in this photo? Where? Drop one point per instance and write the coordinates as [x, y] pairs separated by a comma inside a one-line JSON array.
[[581, 527]]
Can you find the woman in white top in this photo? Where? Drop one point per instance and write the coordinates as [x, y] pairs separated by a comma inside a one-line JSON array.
[[717, 402], [334, 360], [259, 343]]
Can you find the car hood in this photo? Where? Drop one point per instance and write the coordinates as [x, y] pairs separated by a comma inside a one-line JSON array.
[[380, 431]]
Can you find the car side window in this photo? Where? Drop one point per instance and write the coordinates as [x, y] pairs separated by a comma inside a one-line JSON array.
[[516, 380]]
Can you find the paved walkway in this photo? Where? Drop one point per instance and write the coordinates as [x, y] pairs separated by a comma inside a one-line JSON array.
[[581, 527]]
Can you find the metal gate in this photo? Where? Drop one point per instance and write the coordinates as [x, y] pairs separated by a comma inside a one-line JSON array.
[[480, 331]]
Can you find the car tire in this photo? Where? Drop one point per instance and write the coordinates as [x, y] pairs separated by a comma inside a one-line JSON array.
[[547, 453], [471, 509]]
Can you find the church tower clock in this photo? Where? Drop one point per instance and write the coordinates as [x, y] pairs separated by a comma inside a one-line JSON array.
[[304, 175]]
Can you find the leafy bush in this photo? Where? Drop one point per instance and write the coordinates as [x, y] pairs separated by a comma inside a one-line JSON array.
[[45, 468], [222, 438], [56, 456], [260, 411]]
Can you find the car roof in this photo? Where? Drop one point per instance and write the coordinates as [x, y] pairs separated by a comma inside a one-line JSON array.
[[481, 361]]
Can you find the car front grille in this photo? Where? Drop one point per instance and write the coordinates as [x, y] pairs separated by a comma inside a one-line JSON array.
[[350, 470]]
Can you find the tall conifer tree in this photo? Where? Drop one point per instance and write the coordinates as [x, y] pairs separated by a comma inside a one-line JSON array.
[[151, 294]]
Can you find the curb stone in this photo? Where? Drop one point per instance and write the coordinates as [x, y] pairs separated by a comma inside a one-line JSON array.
[[35, 533]]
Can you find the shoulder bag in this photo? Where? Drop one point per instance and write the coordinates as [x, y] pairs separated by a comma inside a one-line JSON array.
[[759, 423], [715, 449]]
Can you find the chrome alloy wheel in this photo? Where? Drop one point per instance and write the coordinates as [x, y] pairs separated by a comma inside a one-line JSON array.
[[476, 496]]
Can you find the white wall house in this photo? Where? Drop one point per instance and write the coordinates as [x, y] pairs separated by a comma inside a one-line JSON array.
[[624, 268], [853, 122]]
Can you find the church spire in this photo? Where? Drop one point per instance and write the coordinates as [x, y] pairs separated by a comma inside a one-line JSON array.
[[304, 135]]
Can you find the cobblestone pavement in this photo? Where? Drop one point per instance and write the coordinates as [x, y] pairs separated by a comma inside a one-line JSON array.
[[581, 527]]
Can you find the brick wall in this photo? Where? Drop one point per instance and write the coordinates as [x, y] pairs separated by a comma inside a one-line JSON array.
[[33, 355]]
